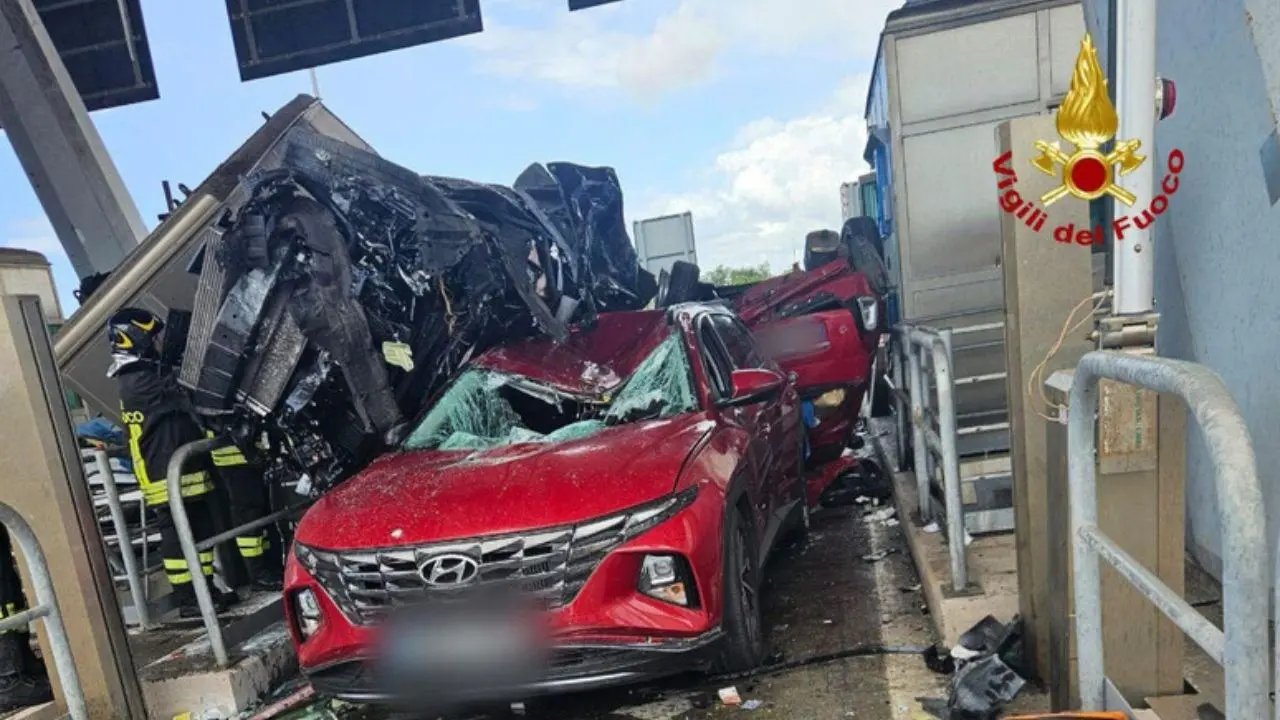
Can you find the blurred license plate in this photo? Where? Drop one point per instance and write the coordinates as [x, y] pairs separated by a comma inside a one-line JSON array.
[[458, 652]]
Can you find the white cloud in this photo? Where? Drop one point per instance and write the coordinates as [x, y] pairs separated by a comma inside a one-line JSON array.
[[681, 50], [776, 181], [33, 234]]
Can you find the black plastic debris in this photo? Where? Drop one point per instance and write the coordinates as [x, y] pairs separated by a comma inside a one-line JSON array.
[[985, 675], [939, 660], [345, 290]]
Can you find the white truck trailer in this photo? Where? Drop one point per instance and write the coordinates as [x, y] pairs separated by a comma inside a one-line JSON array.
[[661, 241], [947, 73]]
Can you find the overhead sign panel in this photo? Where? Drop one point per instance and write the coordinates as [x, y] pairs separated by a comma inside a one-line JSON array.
[[584, 4], [103, 45], [273, 37]]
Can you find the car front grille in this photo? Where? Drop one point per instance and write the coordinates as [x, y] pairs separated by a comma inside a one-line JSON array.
[[550, 565]]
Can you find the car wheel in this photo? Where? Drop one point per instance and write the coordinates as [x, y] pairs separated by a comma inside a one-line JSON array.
[[743, 646], [682, 286]]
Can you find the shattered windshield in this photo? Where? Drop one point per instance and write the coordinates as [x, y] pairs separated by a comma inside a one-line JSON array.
[[485, 409]]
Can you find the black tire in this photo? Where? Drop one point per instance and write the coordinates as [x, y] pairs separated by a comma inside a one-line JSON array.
[[743, 646], [683, 284]]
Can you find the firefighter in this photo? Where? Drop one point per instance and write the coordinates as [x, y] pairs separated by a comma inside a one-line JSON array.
[[23, 679], [249, 502], [159, 421]]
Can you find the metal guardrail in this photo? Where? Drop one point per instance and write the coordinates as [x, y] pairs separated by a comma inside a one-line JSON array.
[[1242, 650], [46, 608], [132, 571], [921, 345], [190, 553], [191, 549]]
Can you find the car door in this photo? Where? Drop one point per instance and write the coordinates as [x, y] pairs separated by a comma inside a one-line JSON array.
[[776, 419], [719, 367]]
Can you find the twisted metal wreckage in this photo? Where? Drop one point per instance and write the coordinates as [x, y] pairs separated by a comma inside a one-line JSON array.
[[350, 289]]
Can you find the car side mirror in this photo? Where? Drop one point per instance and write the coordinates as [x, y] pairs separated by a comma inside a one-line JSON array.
[[753, 385]]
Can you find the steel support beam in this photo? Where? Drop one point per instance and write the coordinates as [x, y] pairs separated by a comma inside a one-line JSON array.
[[87, 203]]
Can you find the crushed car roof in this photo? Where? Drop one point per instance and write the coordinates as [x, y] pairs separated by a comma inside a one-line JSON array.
[[590, 361]]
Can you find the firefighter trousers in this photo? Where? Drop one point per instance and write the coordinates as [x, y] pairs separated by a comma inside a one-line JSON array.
[[249, 501], [200, 516]]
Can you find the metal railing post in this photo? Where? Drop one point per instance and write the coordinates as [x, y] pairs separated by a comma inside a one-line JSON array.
[[950, 461], [901, 405], [919, 451], [926, 407], [46, 608], [1242, 649], [123, 540], [183, 527]]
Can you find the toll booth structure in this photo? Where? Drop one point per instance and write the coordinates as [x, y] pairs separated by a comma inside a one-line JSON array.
[[946, 75]]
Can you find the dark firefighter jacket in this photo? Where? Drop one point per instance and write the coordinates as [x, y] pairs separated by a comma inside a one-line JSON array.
[[153, 409]]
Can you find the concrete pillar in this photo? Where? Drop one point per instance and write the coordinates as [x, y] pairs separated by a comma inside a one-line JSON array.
[[44, 483], [1043, 280], [46, 122]]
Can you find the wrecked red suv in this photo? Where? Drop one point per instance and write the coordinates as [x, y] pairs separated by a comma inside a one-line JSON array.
[[633, 479], [824, 325]]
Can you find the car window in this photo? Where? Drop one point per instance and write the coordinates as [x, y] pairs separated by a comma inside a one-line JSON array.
[[738, 342], [715, 359], [485, 409]]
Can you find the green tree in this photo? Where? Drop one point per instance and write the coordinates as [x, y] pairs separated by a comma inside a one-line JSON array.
[[723, 275]]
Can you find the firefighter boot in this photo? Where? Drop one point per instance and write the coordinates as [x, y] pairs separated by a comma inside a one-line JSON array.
[[19, 688], [265, 575], [189, 609]]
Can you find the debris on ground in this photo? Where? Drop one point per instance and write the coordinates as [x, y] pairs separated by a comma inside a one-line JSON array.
[[879, 555], [729, 695], [752, 705], [987, 661], [939, 661], [883, 516], [932, 528]]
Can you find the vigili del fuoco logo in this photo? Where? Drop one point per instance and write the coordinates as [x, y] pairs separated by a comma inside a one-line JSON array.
[[1087, 119]]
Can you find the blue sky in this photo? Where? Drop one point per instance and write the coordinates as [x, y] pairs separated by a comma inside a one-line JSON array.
[[747, 113]]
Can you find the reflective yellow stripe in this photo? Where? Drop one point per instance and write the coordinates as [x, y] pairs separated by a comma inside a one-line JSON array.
[[192, 484], [181, 578], [228, 456], [135, 451], [252, 547], [175, 564], [206, 557]]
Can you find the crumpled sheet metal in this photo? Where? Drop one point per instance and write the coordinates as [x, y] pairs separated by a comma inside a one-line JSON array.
[[391, 281]]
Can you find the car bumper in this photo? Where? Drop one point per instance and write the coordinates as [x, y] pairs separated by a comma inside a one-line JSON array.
[[572, 668]]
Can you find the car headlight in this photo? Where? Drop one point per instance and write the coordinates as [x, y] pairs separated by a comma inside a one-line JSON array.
[[869, 312], [668, 578], [306, 608], [647, 517]]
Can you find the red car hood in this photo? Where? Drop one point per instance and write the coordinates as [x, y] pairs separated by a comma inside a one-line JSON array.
[[430, 496]]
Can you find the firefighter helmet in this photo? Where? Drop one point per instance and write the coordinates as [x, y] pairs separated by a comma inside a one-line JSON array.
[[133, 331]]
